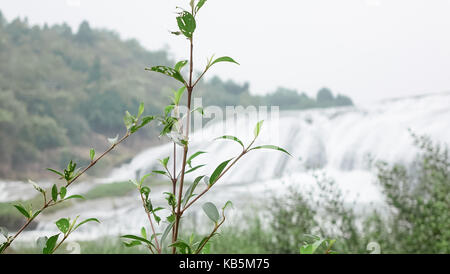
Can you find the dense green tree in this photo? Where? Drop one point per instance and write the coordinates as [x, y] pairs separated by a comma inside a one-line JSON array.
[[59, 88]]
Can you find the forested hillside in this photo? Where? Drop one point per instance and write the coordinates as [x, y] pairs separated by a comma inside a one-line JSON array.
[[64, 90]]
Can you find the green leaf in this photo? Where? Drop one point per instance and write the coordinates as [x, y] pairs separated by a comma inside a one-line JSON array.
[[36, 214], [223, 59], [183, 247], [199, 110], [145, 121], [36, 186], [143, 232], [63, 192], [86, 221], [227, 204], [166, 231], [55, 171], [258, 128], [143, 178], [75, 197], [50, 244], [63, 225], [189, 160], [164, 161], [159, 172], [132, 243], [92, 154], [186, 23], [228, 137], [22, 210], [146, 191], [128, 120], [180, 65], [55, 193], [133, 237], [199, 5], [271, 147], [177, 95], [169, 72], [194, 169], [211, 211], [141, 110], [190, 190], [171, 218], [215, 175]]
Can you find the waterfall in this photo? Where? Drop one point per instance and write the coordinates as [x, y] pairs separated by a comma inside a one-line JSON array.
[[337, 141]]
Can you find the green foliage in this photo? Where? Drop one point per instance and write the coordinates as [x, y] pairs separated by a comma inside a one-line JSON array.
[[65, 88], [419, 200]]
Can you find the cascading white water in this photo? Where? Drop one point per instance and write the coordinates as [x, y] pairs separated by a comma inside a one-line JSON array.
[[337, 141]]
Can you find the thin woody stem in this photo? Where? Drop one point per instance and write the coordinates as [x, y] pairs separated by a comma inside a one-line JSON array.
[[158, 249], [49, 203], [185, 151]]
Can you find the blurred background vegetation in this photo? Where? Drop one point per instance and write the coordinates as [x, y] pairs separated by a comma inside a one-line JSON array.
[[63, 90], [415, 219]]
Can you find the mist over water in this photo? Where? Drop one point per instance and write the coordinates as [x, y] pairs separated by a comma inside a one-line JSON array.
[[337, 141]]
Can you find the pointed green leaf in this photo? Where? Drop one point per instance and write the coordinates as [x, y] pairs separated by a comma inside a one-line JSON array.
[[36, 186], [86, 221], [271, 147], [133, 237], [141, 110], [223, 59], [75, 197], [189, 160], [22, 210], [128, 120], [194, 169], [258, 128], [166, 231], [217, 172], [55, 171], [92, 154], [199, 5], [50, 244], [169, 72], [191, 189], [228, 137], [211, 211], [55, 193], [143, 232], [180, 65], [63, 192]]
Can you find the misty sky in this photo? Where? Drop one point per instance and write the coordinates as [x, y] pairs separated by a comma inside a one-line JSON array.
[[367, 49]]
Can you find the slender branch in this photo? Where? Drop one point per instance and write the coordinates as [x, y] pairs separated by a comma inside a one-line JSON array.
[[158, 248], [212, 234], [183, 165], [49, 203], [60, 243], [245, 151]]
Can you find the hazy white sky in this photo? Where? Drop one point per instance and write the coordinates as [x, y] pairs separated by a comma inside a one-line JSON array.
[[368, 49]]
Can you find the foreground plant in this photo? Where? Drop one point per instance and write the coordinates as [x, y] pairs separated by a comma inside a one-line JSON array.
[[69, 175], [177, 129], [317, 243]]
